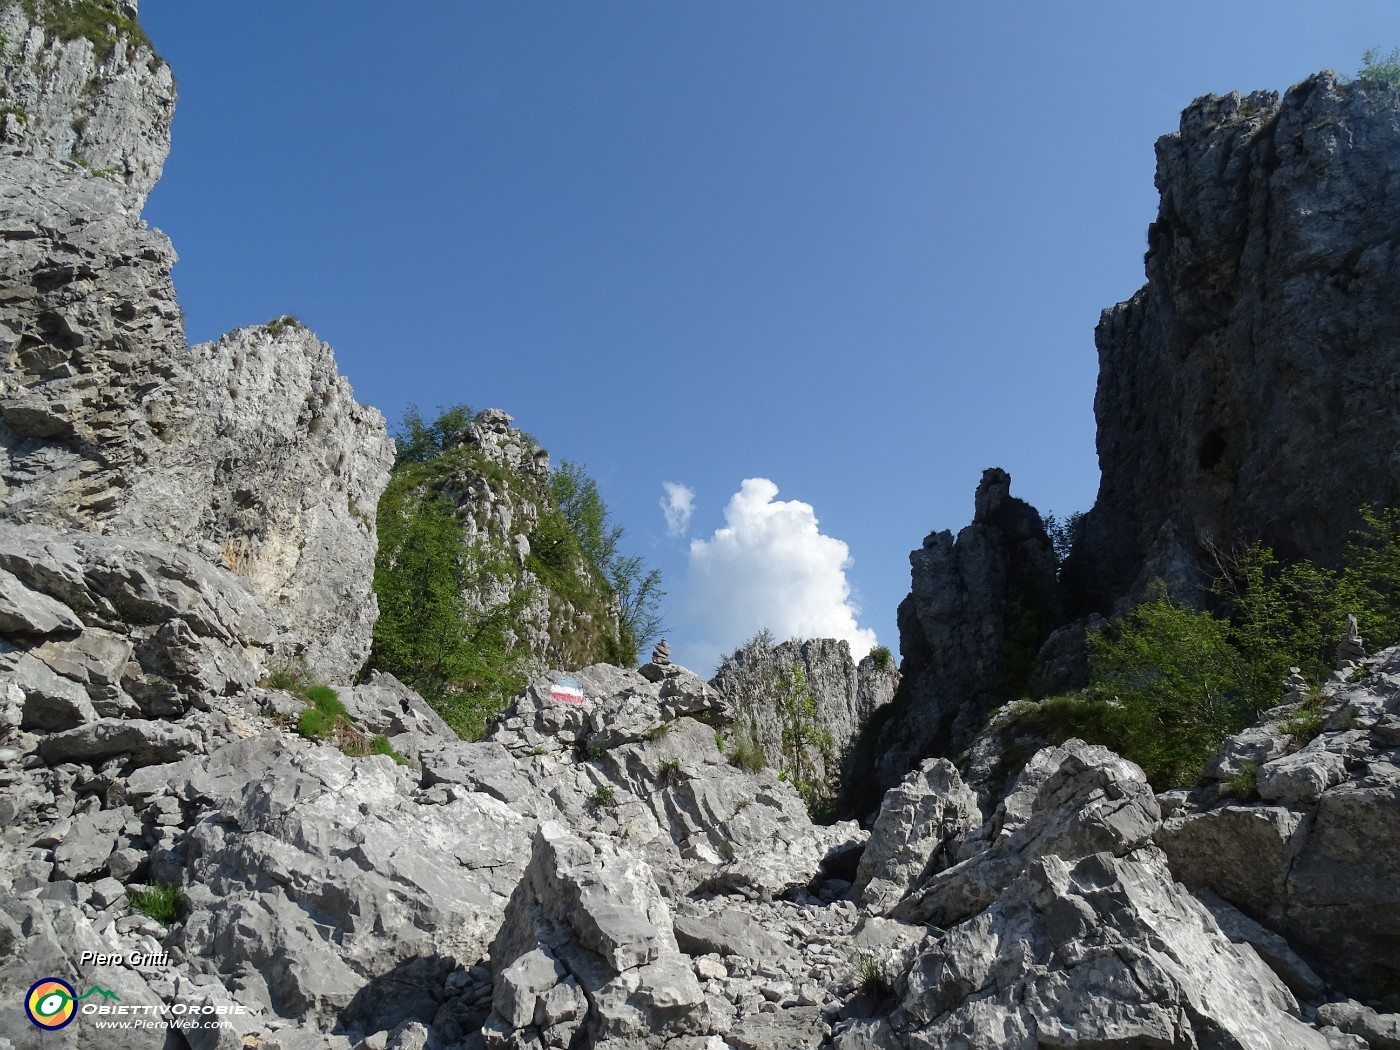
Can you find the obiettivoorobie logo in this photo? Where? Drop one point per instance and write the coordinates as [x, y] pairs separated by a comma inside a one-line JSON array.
[[52, 1003]]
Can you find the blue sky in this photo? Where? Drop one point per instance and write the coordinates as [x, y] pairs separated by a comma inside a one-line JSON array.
[[854, 251]]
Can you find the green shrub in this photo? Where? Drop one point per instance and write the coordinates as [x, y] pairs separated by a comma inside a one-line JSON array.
[[1380, 69], [466, 663], [289, 677], [870, 978], [286, 322], [603, 797], [380, 745], [1302, 726], [1178, 685], [325, 716], [883, 658], [670, 772], [161, 902]]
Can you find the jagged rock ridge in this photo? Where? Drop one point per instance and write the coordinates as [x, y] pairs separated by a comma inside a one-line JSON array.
[[756, 679], [252, 449]]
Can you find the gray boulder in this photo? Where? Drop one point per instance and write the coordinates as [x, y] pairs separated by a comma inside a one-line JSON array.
[[587, 942], [1314, 859], [921, 821]]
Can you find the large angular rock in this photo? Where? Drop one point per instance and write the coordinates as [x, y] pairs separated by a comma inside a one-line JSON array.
[[294, 844], [141, 741], [1103, 951], [589, 913], [925, 816], [1071, 801]]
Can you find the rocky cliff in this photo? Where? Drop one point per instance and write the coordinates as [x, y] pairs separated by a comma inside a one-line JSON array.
[[187, 860], [252, 449], [979, 608], [758, 681], [1247, 391]]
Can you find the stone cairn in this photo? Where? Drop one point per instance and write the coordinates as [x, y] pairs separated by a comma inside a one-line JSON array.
[[661, 655], [1350, 651]]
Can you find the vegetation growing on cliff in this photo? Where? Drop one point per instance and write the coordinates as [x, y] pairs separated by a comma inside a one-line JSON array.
[[454, 594], [101, 21], [1168, 683]]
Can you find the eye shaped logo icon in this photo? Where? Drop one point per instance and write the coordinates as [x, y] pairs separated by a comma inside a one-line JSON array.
[[50, 1003]]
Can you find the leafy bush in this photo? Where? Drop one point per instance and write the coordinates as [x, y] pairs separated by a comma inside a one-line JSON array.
[[883, 658], [1380, 69], [324, 717], [1180, 683], [1294, 614], [603, 797], [161, 902], [418, 442]]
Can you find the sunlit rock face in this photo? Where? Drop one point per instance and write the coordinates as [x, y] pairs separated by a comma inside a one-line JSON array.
[[251, 450]]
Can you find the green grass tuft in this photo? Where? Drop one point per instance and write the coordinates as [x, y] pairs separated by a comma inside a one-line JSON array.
[[161, 902]]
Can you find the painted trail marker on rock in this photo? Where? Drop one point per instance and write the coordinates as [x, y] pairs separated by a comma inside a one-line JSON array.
[[567, 691]]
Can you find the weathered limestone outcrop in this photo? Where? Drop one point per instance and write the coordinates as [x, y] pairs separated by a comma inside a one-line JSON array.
[[757, 681], [978, 610], [251, 450], [524, 569], [276, 470], [103, 104], [1302, 836], [1268, 319]]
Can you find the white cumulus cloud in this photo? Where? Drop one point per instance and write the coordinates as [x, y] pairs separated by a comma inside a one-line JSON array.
[[678, 505], [769, 566]]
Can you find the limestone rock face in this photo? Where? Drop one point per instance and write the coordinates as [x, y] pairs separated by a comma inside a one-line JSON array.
[[978, 609], [1268, 318], [756, 680], [278, 468], [103, 105], [1064, 927], [1313, 857], [251, 450]]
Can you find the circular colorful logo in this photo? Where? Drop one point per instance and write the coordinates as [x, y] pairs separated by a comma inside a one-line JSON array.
[[50, 1003]]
